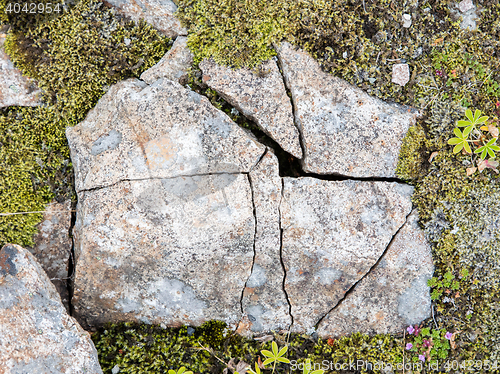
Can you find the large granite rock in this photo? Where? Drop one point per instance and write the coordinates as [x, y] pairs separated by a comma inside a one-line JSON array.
[[36, 333], [163, 130], [172, 251], [261, 96], [333, 233], [15, 89], [53, 244], [344, 130], [174, 65], [158, 13], [264, 300], [393, 295]]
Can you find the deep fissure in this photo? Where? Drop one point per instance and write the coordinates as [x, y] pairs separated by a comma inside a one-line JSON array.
[[281, 254], [71, 259], [353, 287]]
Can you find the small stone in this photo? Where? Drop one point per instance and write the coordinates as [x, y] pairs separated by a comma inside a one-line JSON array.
[[400, 74], [344, 55], [406, 20], [372, 80], [126, 41], [465, 5], [115, 370]]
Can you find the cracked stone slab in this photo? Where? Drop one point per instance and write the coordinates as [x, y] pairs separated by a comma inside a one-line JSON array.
[[260, 96], [264, 301], [176, 251], [163, 130], [52, 246], [344, 130], [158, 13], [393, 295], [15, 89], [333, 233], [36, 333], [174, 65]]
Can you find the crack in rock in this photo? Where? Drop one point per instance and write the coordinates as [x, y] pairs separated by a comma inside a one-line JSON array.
[[281, 256]]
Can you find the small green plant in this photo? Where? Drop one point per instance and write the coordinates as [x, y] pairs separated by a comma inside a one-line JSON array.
[[275, 356], [428, 345], [483, 137], [182, 370], [447, 283]]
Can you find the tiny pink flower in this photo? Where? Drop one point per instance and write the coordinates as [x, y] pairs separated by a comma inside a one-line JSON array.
[[410, 329], [409, 346], [421, 358], [417, 330], [448, 335], [426, 343], [497, 104], [439, 73]]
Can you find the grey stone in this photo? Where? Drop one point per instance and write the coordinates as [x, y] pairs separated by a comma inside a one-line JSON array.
[[264, 301], [466, 5], [163, 130], [406, 20], [400, 74], [393, 295], [36, 333], [174, 65], [343, 129], [158, 13], [172, 251], [260, 95], [52, 246], [333, 233], [15, 89]]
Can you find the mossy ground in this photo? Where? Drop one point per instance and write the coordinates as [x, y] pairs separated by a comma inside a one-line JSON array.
[[357, 40]]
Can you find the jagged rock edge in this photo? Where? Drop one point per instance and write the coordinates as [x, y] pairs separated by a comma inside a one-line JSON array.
[[352, 288]]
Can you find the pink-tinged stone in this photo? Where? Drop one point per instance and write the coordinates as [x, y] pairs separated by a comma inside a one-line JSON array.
[[400, 74]]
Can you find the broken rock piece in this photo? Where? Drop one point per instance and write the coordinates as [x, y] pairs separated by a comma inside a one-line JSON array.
[[261, 96], [344, 130], [333, 233], [400, 74], [36, 333], [393, 295]]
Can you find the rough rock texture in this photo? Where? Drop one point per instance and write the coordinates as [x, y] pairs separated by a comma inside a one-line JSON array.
[[174, 65], [53, 245], [158, 131], [36, 333], [259, 95], [173, 251], [15, 90], [465, 5], [264, 301], [333, 233], [393, 295], [158, 13], [343, 129]]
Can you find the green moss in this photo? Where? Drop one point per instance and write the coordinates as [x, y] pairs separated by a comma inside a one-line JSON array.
[[74, 58], [413, 155]]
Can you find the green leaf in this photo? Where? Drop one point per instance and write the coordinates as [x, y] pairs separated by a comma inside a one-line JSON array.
[[468, 114]]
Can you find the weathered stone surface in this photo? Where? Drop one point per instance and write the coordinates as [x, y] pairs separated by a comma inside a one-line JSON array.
[[393, 295], [15, 90], [53, 245], [163, 130], [173, 251], [36, 333], [174, 65], [264, 301], [465, 5], [343, 129], [158, 13], [333, 233], [259, 96]]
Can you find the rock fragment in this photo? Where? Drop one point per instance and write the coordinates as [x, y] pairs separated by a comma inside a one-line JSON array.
[[36, 333], [174, 250], [264, 301], [465, 5], [174, 65], [158, 13], [344, 130], [393, 295], [400, 74], [406, 20], [15, 89], [260, 95], [333, 233], [53, 244], [158, 131]]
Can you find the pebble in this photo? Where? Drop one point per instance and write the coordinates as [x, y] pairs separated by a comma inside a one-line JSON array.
[[400, 74], [406, 20], [465, 5]]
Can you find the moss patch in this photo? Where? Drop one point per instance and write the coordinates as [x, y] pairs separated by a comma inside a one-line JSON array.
[[74, 58]]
